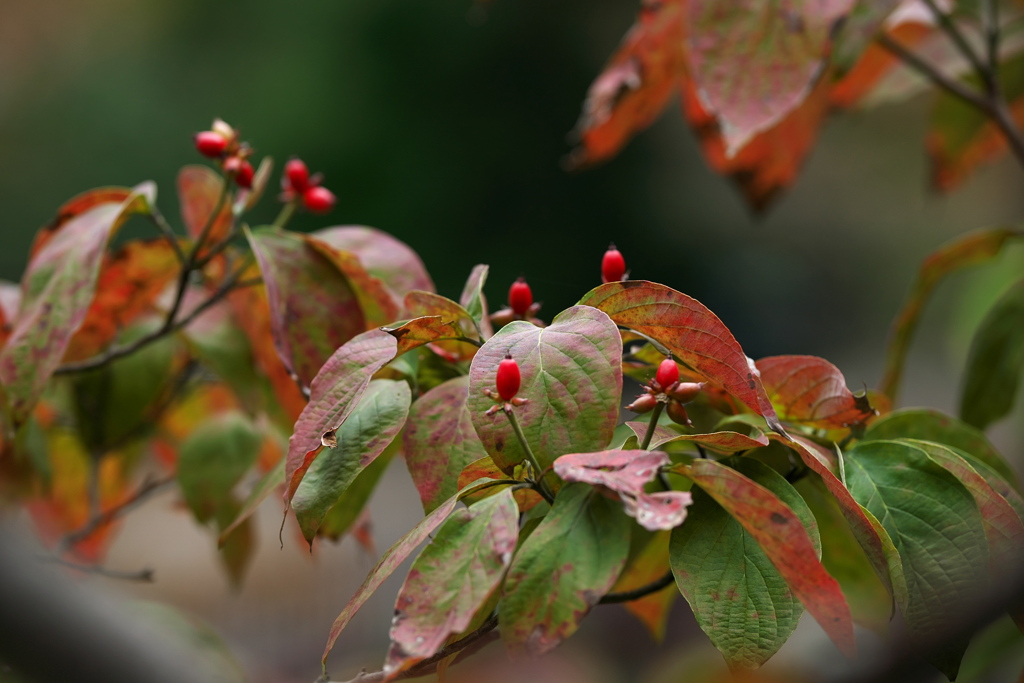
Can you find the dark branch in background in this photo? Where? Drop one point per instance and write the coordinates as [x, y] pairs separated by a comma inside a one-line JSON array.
[[990, 102], [144, 575], [483, 635]]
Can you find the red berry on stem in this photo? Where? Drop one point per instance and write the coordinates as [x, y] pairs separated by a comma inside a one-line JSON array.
[[210, 144], [318, 199], [508, 378], [241, 170], [668, 373], [520, 297], [297, 174], [613, 266]]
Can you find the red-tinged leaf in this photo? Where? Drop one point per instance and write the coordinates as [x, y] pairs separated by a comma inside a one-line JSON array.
[[384, 256], [313, 308], [373, 424], [10, 301], [423, 330], [876, 62], [451, 579], [395, 556], [571, 377], [334, 394], [623, 471], [691, 332], [57, 289], [1003, 526], [722, 442], [130, 281], [755, 61], [967, 250], [475, 302], [873, 538], [440, 442], [199, 192], [771, 160], [785, 541], [429, 304], [812, 391], [252, 314], [75, 207], [636, 84], [644, 568], [562, 570], [377, 304]]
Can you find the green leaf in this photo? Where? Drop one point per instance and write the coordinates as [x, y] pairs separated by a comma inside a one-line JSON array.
[[350, 505], [213, 459], [996, 362], [693, 334], [937, 529], [452, 578], [370, 428], [313, 308], [562, 570], [571, 376], [1003, 526], [260, 492], [57, 289], [775, 516], [968, 250], [474, 300], [239, 548], [440, 441], [739, 598], [395, 555], [931, 425], [755, 61]]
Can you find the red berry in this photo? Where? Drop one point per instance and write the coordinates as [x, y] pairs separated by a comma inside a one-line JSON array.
[[318, 199], [508, 378], [242, 171], [297, 174], [613, 266], [668, 373], [210, 144], [520, 297]]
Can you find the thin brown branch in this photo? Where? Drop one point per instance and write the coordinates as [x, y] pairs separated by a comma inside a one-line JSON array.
[[145, 491], [950, 85], [637, 593], [950, 28], [144, 575], [157, 218]]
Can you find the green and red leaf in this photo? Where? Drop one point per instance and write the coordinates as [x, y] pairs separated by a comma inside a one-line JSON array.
[[440, 441], [419, 304], [693, 334], [811, 391], [571, 377], [785, 541], [722, 442], [200, 189], [373, 424], [57, 290], [452, 578], [383, 256], [562, 570]]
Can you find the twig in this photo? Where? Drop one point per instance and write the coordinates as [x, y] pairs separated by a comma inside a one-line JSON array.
[[145, 574], [637, 593], [950, 28], [147, 489], [157, 218], [953, 87], [652, 425], [542, 487]]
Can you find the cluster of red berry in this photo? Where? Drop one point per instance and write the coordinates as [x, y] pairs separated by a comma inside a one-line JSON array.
[[221, 142], [666, 388]]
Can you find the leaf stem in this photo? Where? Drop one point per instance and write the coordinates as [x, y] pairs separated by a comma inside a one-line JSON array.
[[652, 425], [287, 211], [842, 465], [542, 487], [157, 218], [637, 593]]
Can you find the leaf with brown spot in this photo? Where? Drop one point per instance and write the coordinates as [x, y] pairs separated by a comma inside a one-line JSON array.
[[199, 191], [691, 332], [130, 282], [453, 576], [562, 570], [430, 304], [785, 541], [571, 377], [57, 289], [722, 442], [811, 391], [440, 442], [394, 556]]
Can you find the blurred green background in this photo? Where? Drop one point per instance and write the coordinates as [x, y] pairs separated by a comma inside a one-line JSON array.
[[445, 123]]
